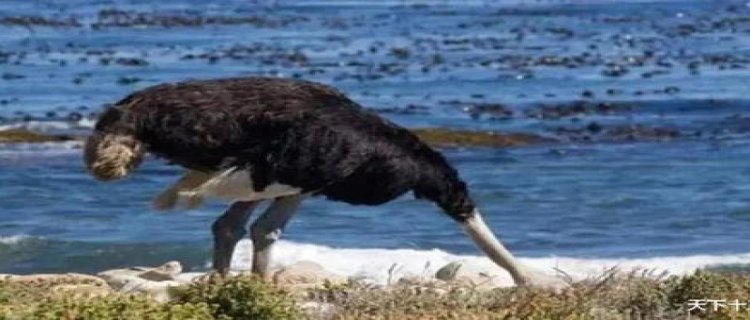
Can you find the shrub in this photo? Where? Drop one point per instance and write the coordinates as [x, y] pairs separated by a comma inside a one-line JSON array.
[[704, 285], [240, 298], [117, 307]]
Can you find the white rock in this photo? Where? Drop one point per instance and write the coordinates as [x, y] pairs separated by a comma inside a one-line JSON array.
[[305, 273], [152, 281], [167, 271], [188, 277], [158, 290], [475, 275]]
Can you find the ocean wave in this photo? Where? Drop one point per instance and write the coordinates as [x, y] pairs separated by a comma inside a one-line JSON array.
[[384, 265], [16, 149], [50, 125], [15, 239]]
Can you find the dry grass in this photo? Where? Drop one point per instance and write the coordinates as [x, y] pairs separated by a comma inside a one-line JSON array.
[[638, 295]]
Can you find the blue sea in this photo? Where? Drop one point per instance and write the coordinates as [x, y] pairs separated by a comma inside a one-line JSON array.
[[652, 171]]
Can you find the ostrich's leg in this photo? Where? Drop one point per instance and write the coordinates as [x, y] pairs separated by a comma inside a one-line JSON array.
[[228, 230], [268, 228], [488, 243]]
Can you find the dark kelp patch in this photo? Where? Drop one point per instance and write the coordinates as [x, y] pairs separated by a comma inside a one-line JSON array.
[[435, 136], [461, 138], [26, 136]]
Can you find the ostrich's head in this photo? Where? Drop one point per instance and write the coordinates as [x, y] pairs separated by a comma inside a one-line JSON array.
[[110, 152]]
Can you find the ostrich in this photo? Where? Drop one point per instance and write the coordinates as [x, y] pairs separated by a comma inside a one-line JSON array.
[[246, 140]]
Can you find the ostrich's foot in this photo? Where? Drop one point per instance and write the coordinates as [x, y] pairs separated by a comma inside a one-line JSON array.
[[267, 229], [228, 230]]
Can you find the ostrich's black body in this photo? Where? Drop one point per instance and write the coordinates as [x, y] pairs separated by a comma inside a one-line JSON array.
[[297, 133]]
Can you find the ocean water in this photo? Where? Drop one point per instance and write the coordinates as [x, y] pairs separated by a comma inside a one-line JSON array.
[[585, 202]]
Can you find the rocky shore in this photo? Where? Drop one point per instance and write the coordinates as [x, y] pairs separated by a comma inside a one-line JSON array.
[[302, 280], [156, 282], [306, 290]]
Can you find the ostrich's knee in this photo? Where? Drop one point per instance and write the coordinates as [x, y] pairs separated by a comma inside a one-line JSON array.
[[264, 236], [226, 230]]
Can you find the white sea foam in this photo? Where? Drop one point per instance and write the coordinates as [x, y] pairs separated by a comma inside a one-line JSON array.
[[16, 150], [38, 125], [382, 265], [50, 125], [14, 239]]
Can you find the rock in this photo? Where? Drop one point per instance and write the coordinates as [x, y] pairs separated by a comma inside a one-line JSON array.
[[493, 111], [576, 109], [118, 278], [305, 274], [641, 132], [476, 276], [448, 272], [615, 70], [486, 276], [154, 282], [158, 290], [188, 277], [167, 271]]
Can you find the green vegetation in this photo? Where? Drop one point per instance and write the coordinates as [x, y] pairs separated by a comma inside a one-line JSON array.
[[636, 296], [239, 298], [233, 298]]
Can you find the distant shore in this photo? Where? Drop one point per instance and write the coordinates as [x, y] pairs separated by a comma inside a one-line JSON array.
[[434, 136]]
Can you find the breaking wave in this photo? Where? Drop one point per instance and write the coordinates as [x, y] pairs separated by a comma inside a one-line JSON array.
[[384, 265]]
